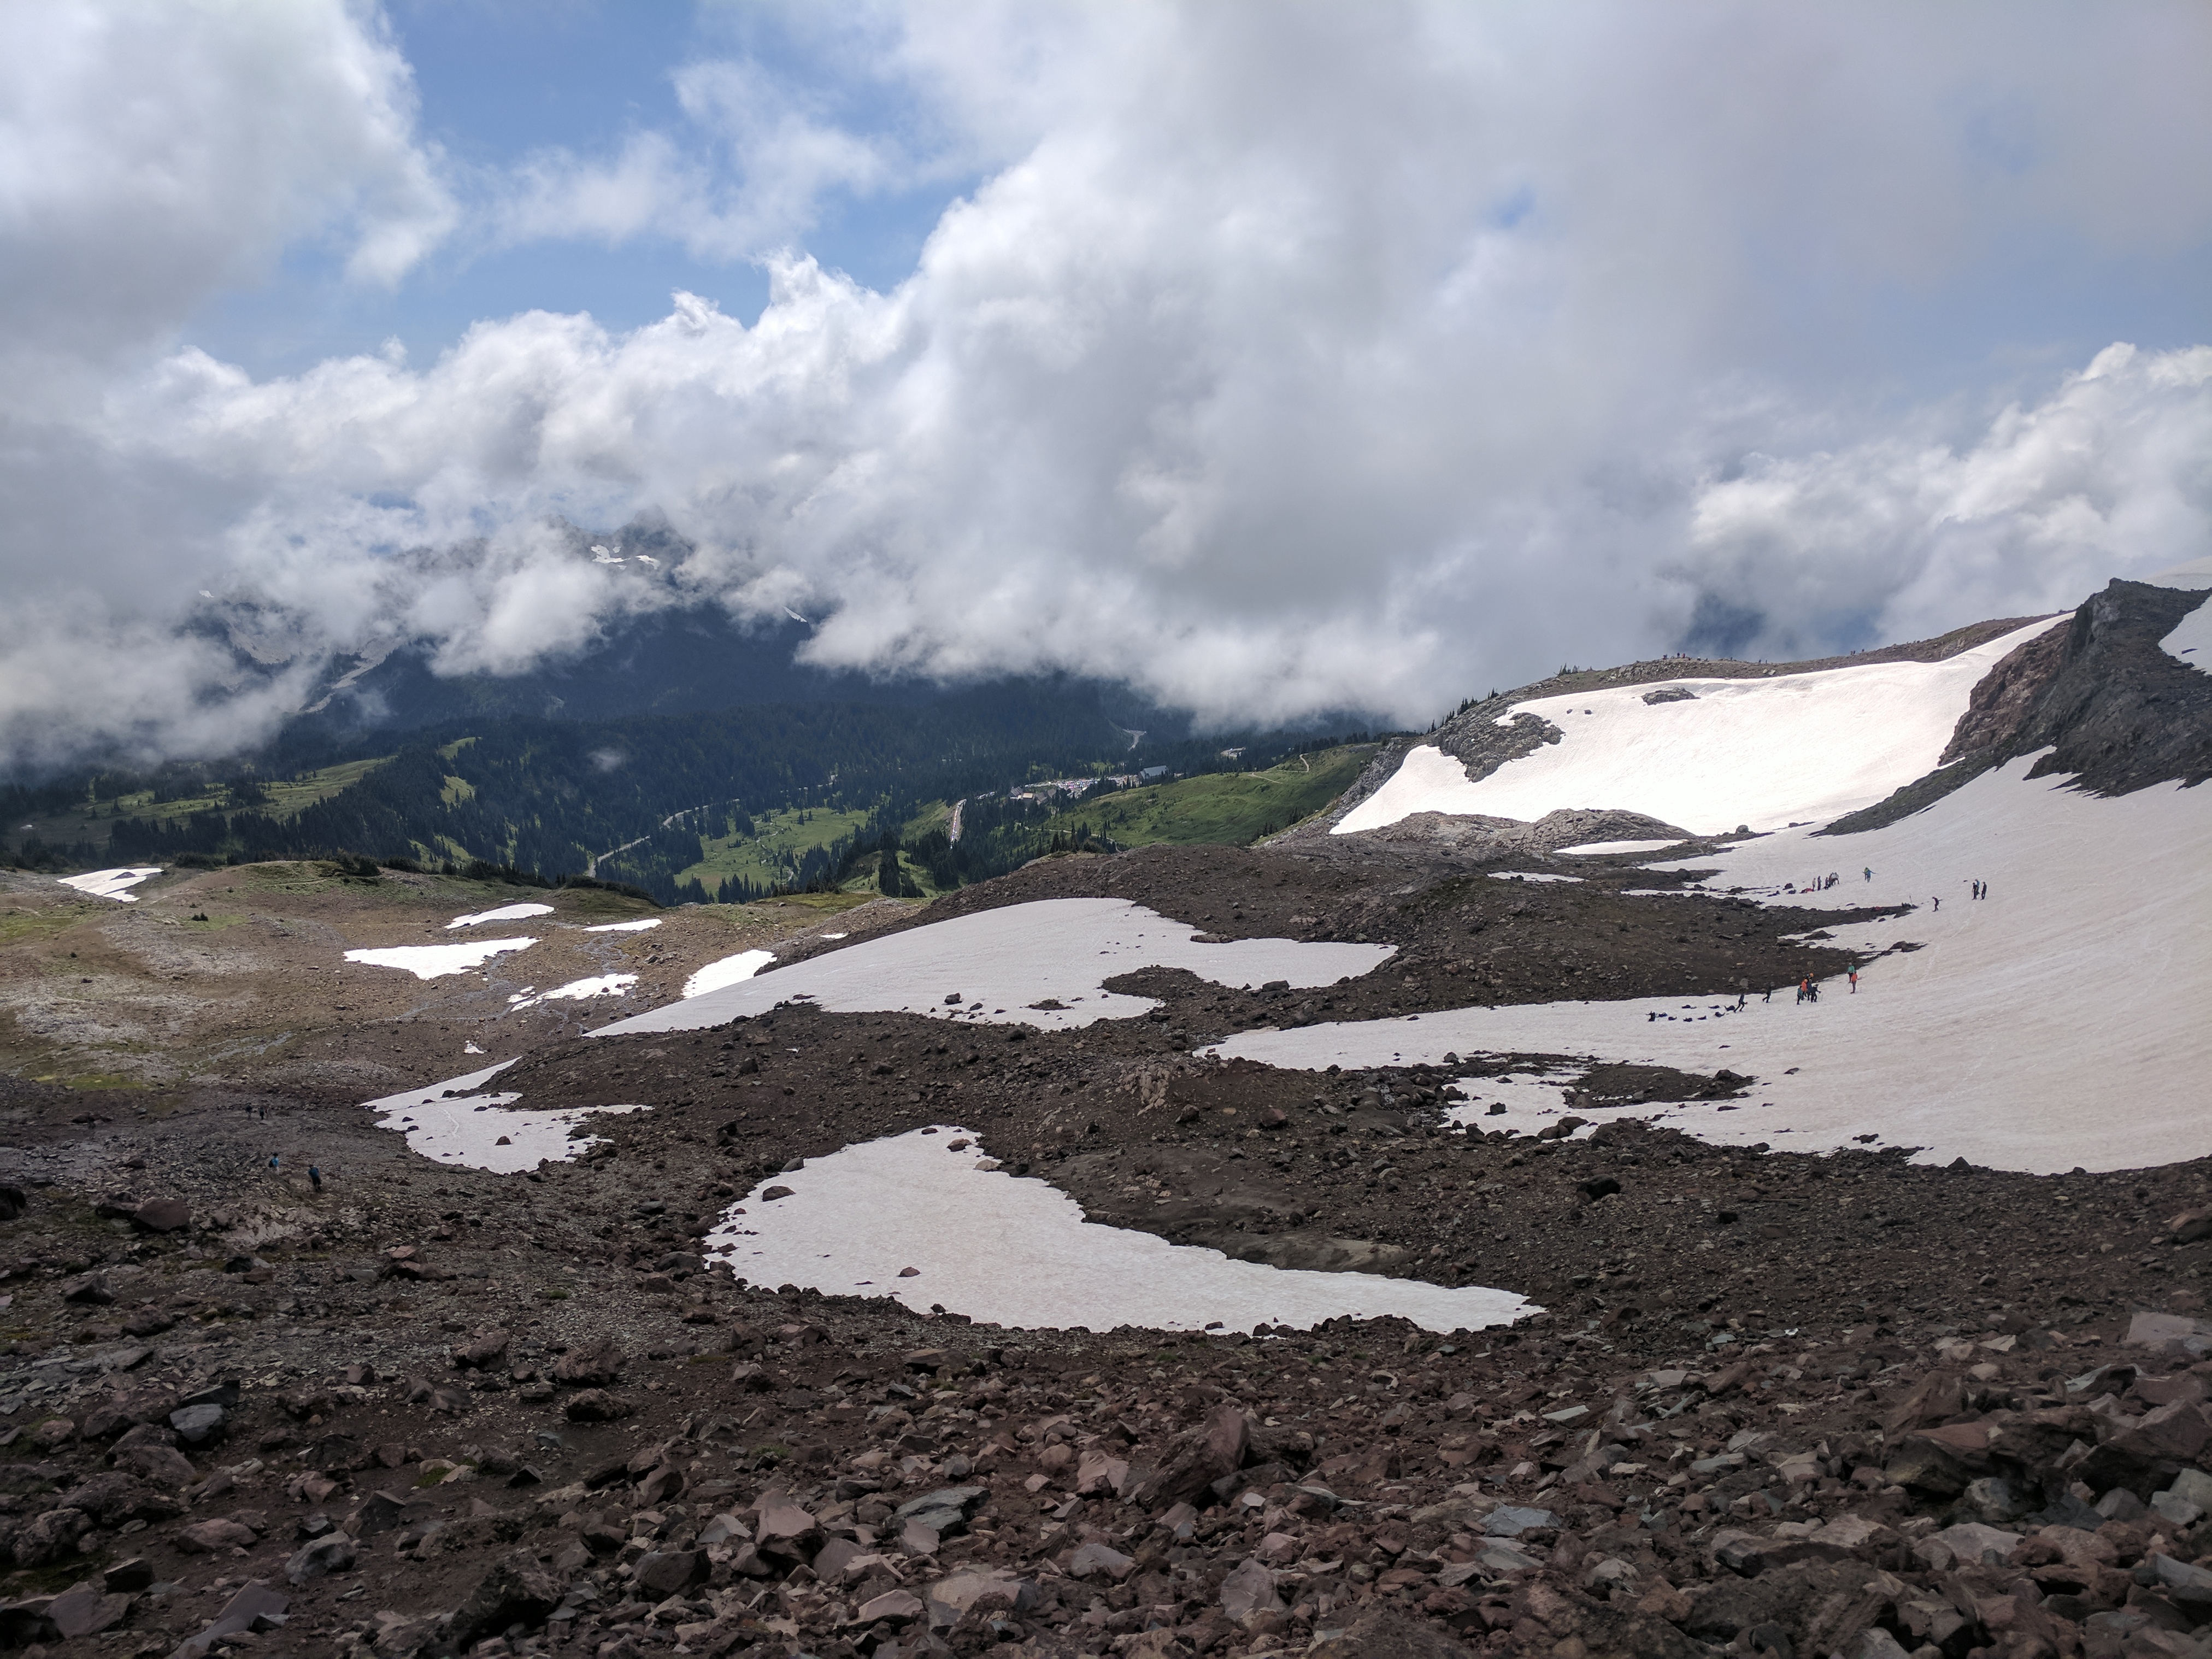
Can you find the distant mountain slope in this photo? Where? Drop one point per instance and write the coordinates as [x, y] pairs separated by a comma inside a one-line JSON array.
[[639, 799], [1853, 743]]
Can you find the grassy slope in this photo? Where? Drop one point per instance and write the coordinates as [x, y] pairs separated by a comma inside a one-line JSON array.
[[286, 798], [1229, 808], [766, 856]]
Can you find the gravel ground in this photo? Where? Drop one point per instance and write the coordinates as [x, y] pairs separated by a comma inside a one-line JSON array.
[[524, 1414]]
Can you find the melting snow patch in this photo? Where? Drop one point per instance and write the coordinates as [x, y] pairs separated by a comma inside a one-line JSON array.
[[1014, 958], [1623, 845], [730, 970], [110, 883], [1019, 1253], [577, 990], [2191, 638], [2046, 1026], [1762, 751], [638, 926], [1533, 875], [454, 1123], [432, 961], [505, 912]]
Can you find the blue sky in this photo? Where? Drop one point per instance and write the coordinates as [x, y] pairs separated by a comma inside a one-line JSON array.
[[499, 79], [1272, 357]]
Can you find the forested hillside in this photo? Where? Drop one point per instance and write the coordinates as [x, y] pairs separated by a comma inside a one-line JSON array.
[[674, 804]]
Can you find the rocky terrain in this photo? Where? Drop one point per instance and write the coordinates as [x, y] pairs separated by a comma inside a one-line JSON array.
[[275, 1384], [1776, 1403]]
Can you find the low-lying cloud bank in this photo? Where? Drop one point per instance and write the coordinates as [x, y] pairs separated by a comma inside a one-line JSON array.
[[1283, 360]]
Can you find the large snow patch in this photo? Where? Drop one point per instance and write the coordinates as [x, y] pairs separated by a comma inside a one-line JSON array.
[[576, 990], [110, 883], [1000, 965], [2059, 1021], [730, 970], [505, 912], [1019, 1253], [433, 961], [1796, 748], [456, 1121]]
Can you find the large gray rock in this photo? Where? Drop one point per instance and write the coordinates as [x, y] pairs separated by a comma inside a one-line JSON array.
[[1249, 1590], [333, 1552], [945, 1511], [199, 1426]]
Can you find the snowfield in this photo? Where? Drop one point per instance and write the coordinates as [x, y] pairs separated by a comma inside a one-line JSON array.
[[625, 927], [476, 1130], [998, 966], [1796, 748], [2058, 1023], [434, 961], [1597, 847], [505, 912], [1017, 1252], [110, 883], [730, 970], [576, 990]]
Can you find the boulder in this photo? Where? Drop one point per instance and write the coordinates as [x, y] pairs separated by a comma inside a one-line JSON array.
[[950, 1598], [664, 1573], [86, 1609], [156, 1464], [112, 1498], [485, 1349], [162, 1215], [1097, 1560], [1197, 1458], [333, 1552], [516, 1591], [199, 1426], [1821, 1606], [591, 1367], [253, 1606], [596, 1406], [945, 1511], [1383, 1631], [894, 1607], [210, 1537], [1249, 1589]]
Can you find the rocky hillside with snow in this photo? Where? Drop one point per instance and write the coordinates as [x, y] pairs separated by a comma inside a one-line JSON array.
[[1697, 1159]]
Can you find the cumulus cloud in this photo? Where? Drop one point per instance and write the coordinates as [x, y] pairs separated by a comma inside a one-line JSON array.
[[1284, 359], [2110, 475], [152, 156]]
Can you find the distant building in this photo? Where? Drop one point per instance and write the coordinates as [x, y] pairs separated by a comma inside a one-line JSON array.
[[1232, 754], [1152, 774]]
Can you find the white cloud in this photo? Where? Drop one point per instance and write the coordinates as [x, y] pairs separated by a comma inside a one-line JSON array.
[[151, 156], [2108, 476], [1284, 358]]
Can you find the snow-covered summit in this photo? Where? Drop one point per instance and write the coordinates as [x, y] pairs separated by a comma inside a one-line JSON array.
[[1711, 754]]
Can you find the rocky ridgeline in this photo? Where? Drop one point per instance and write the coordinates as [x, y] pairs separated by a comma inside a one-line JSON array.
[[836, 1476]]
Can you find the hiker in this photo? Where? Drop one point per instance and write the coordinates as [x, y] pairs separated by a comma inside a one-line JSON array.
[[1939, 901], [272, 1160], [315, 1176], [1855, 982], [1869, 873], [1769, 997]]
